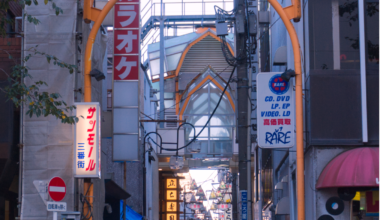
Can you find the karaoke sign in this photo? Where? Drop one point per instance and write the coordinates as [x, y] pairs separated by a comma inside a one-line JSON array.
[[126, 40]]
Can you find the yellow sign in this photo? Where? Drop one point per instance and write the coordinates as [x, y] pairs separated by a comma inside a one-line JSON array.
[[171, 183], [171, 206], [171, 194], [357, 196], [171, 216]]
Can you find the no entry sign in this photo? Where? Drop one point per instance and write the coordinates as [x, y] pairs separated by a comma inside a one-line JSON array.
[[57, 189]]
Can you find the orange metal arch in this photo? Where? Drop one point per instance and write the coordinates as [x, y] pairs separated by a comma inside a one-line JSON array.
[[187, 50], [177, 96], [197, 87], [192, 44]]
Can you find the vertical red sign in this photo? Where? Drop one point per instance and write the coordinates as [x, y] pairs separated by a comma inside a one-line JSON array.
[[126, 40]]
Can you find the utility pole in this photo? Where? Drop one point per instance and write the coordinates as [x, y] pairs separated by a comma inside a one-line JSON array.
[[242, 95], [234, 197]]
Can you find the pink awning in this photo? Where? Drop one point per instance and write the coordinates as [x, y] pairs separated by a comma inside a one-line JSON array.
[[358, 167]]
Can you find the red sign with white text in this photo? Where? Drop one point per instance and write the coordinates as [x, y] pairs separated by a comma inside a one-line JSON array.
[[126, 68], [126, 42], [126, 63], [127, 16]]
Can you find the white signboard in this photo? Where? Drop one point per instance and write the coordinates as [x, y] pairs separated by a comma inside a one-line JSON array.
[[42, 188], [56, 206], [275, 111], [87, 141], [228, 214]]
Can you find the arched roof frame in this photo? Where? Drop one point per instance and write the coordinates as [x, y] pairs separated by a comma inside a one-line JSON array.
[[200, 84], [188, 47]]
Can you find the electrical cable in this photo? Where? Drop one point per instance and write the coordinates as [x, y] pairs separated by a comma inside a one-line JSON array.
[[259, 38], [230, 59], [208, 121], [184, 98], [213, 112]]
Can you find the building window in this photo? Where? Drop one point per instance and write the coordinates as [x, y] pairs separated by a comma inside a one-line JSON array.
[[334, 34], [372, 35], [109, 62]]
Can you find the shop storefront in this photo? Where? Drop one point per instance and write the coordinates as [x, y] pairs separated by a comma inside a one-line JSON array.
[[354, 177]]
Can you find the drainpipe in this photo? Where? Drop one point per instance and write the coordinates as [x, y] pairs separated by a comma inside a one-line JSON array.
[[286, 14]]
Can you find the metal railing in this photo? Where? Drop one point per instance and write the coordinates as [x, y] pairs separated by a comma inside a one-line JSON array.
[[180, 8]]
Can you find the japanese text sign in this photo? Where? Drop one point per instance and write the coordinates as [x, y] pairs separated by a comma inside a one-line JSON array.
[[127, 15], [126, 40], [244, 204], [127, 68], [87, 141], [171, 195], [56, 206], [171, 216], [171, 206], [275, 111], [171, 183]]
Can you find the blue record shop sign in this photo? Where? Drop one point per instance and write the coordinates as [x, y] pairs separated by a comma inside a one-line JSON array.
[[275, 111]]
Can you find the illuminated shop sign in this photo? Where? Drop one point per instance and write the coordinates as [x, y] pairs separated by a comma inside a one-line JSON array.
[[87, 141]]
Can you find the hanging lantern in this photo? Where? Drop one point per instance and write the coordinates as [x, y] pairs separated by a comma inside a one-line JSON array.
[[222, 185], [227, 197], [222, 215], [219, 194], [193, 185], [208, 215], [193, 200], [202, 209], [200, 192], [212, 195], [194, 206], [213, 206], [223, 206], [202, 198]]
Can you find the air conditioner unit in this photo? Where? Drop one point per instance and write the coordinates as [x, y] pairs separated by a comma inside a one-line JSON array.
[[171, 124]]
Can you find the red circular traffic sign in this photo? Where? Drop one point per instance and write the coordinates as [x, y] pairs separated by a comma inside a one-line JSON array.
[[57, 189]]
